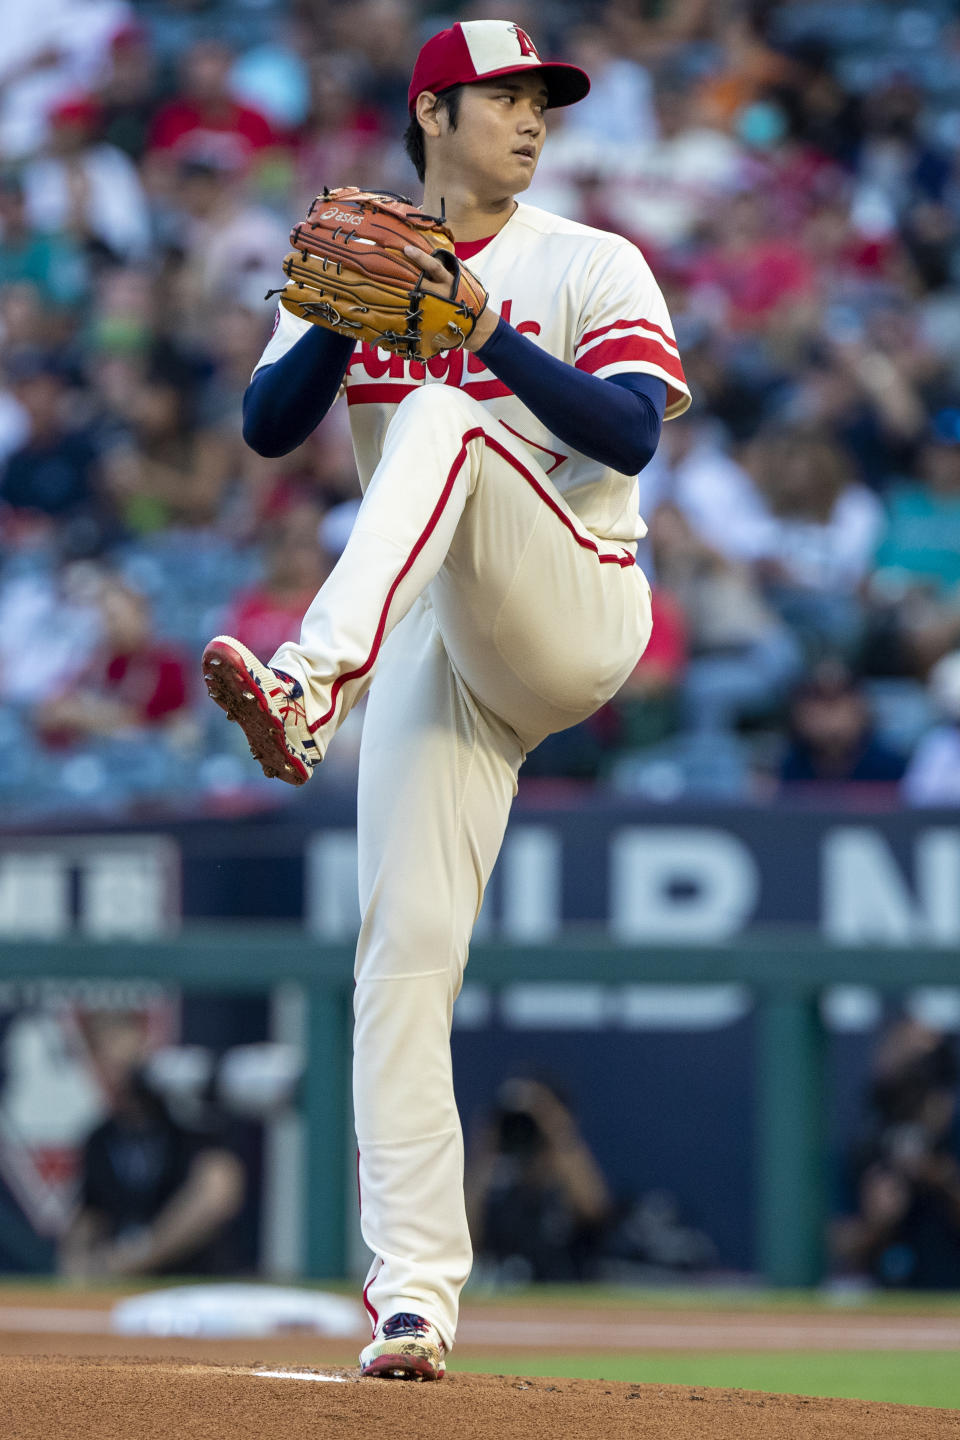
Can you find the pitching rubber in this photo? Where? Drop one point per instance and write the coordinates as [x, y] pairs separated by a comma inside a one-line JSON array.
[[232, 686]]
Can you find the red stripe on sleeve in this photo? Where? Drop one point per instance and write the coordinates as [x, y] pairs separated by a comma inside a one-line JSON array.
[[627, 325], [631, 349]]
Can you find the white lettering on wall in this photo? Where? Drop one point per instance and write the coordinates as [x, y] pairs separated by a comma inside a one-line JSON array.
[[680, 883], [106, 886], [530, 878], [866, 896], [332, 902], [938, 882], [124, 894], [34, 895]]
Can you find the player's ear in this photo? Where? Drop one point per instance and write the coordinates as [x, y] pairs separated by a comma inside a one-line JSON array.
[[428, 114]]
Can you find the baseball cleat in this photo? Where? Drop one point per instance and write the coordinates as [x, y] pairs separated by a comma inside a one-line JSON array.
[[266, 704], [406, 1347]]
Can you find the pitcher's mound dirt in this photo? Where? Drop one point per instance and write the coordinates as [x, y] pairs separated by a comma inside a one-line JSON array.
[[63, 1398]]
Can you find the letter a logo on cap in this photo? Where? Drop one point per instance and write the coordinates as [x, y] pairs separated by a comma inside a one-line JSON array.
[[527, 46]]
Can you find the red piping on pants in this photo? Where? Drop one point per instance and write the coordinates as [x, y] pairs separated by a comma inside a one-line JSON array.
[[374, 1316], [366, 1303], [624, 560]]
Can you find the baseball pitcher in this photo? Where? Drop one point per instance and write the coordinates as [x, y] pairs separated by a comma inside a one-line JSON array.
[[507, 373]]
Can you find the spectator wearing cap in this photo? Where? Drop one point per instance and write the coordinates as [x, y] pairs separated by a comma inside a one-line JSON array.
[[933, 774], [727, 390], [87, 187]]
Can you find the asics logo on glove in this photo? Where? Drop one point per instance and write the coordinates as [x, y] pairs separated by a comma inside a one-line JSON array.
[[342, 217]]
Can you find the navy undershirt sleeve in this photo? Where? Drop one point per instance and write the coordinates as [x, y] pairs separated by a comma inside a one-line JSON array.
[[615, 422], [285, 401]]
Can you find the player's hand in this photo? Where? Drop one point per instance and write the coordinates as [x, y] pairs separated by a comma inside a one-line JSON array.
[[438, 276], [438, 283]]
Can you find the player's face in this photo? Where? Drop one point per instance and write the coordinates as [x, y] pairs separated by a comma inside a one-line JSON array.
[[500, 132]]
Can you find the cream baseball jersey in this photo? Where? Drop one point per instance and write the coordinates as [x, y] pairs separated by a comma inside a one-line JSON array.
[[586, 297]]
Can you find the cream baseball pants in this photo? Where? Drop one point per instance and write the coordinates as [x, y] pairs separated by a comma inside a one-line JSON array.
[[487, 617]]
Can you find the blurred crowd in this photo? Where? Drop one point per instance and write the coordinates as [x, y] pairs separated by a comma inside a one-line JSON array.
[[788, 169]]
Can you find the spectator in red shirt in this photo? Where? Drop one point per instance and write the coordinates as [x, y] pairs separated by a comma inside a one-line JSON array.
[[204, 115], [764, 280], [133, 682]]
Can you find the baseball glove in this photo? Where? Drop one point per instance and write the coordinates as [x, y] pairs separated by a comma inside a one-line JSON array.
[[347, 272]]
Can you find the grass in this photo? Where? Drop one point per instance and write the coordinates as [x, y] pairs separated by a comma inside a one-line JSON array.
[[750, 1298], [902, 1377], [924, 1377]]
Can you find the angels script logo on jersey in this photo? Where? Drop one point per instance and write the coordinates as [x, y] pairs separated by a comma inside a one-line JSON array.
[[454, 367]]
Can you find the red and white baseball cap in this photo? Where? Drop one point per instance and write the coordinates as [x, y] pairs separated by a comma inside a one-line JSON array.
[[481, 49]]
